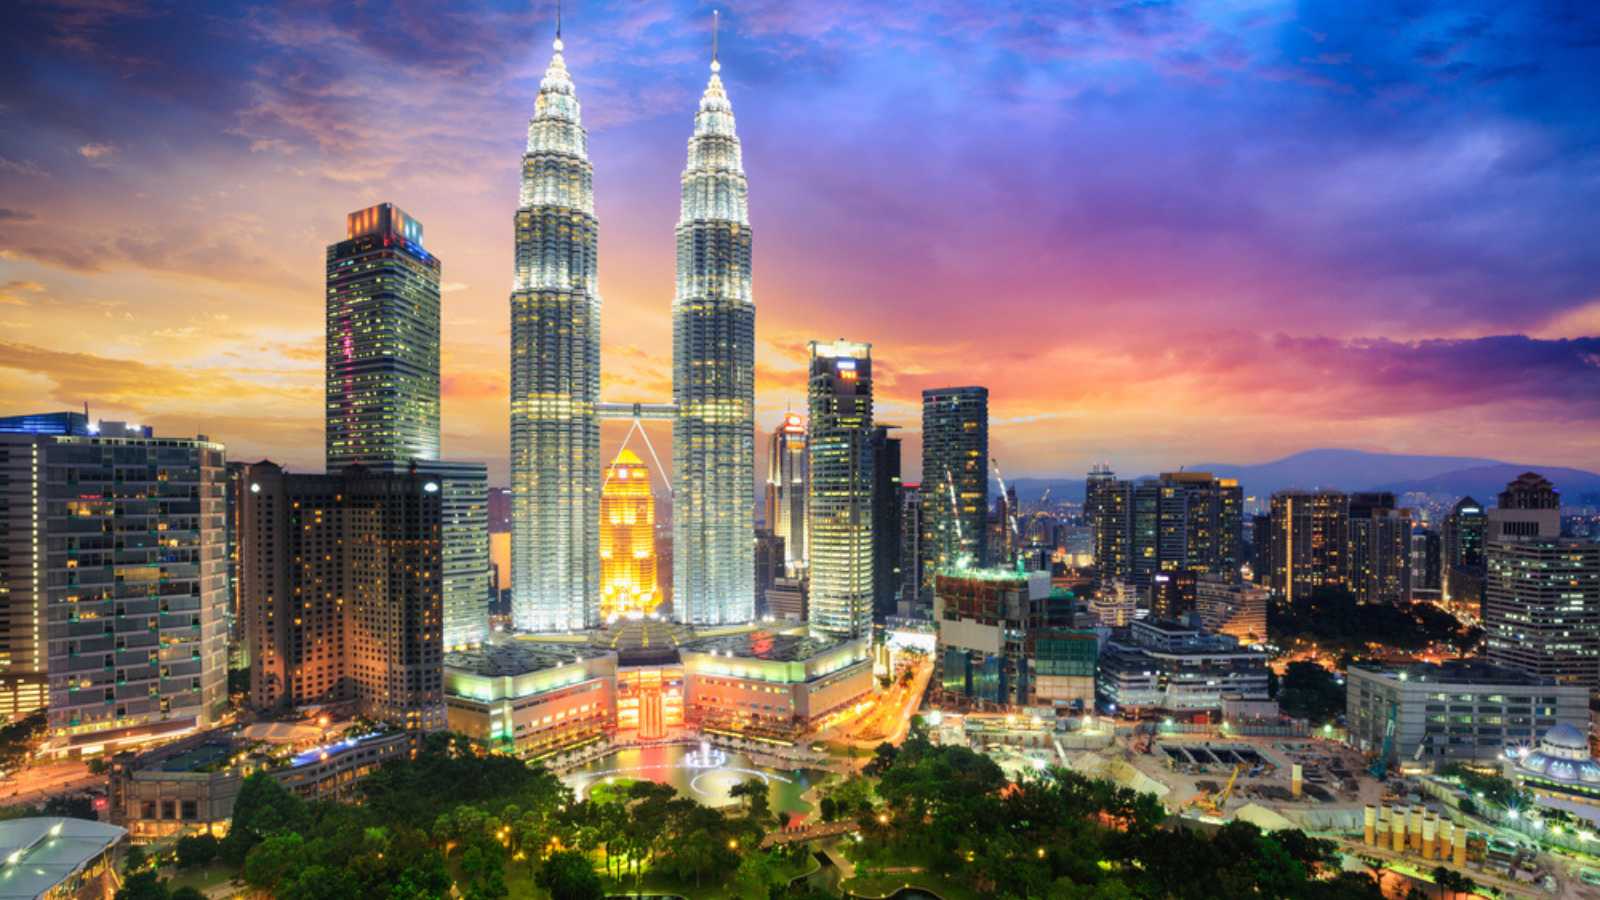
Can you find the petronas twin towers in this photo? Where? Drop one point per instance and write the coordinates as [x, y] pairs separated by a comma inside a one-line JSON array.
[[555, 374]]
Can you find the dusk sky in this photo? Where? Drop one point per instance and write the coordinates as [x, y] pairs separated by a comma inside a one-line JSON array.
[[1161, 233]]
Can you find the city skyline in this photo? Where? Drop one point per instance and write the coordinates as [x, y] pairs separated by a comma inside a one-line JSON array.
[[1150, 275]]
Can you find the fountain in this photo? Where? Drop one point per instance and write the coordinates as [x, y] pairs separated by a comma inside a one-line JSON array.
[[707, 757]]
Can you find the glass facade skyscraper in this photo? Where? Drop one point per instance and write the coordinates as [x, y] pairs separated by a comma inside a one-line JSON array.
[[955, 477], [382, 342], [840, 504], [555, 372], [713, 379], [383, 392]]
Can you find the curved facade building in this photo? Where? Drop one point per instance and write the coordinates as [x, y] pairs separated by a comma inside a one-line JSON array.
[[713, 383], [555, 372]]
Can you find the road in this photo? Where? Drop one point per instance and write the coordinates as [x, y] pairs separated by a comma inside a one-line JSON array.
[[890, 718], [38, 783]]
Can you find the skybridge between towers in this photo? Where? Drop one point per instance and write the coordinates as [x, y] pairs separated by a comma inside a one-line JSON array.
[[636, 411]]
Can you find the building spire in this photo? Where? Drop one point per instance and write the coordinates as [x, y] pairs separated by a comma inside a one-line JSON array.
[[716, 18], [558, 45]]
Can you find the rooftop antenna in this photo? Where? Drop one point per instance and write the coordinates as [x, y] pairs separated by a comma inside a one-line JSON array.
[[716, 17]]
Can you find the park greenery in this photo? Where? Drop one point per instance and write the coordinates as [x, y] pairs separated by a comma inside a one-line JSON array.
[[18, 740], [1309, 691], [1331, 617], [1486, 787], [951, 812], [452, 822]]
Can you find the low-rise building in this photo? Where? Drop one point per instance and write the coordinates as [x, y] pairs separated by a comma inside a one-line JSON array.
[[1063, 663], [531, 699], [763, 684], [1234, 608], [1166, 665], [56, 858], [1462, 710], [1559, 768], [1115, 603], [189, 786], [786, 599]]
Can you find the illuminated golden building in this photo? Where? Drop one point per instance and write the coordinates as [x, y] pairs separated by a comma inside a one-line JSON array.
[[627, 540]]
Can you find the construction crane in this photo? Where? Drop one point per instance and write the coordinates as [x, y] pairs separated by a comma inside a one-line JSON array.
[[1212, 805], [1011, 514], [1380, 766], [955, 513]]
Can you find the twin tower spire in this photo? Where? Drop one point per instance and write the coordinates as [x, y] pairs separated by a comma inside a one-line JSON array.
[[555, 373]]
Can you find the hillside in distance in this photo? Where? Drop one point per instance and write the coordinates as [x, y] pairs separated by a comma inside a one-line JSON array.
[[1360, 470]]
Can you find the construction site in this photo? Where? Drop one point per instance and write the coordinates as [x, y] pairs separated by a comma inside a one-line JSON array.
[[1399, 826]]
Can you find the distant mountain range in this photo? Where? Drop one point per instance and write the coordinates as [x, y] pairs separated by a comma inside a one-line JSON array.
[[1358, 470]]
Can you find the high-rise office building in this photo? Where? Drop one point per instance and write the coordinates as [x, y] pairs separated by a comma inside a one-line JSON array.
[[1528, 507], [1261, 548], [1379, 558], [787, 480], [555, 371], [382, 378], [1541, 598], [382, 382], [113, 571], [1197, 525], [1461, 542], [1310, 540], [1427, 573], [464, 508], [628, 580], [887, 515], [840, 504], [1189, 522], [955, 478], [342, 590], [1005, 537], [769, 567], [713, 380], [1107, 507], [916, 601]]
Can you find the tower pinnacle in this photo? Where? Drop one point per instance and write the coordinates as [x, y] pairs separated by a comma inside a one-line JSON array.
[[557, 44], [716, 17]]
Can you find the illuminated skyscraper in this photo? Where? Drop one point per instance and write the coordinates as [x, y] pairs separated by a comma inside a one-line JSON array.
[[955, 477], [628, 584], [840, 505], [383, 393], [1541, 598], [341, 590], [1379, 559], [382, 342], [888, 513], [1310, 542], [1107, 505], [788, 475], [555, 372], [1461, 543], [713, 379]]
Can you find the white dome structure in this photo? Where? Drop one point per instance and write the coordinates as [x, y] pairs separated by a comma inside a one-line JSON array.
[[1562, 757]]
